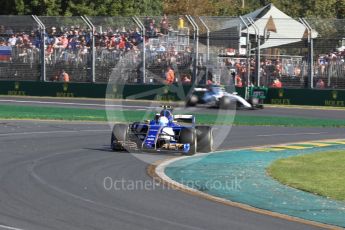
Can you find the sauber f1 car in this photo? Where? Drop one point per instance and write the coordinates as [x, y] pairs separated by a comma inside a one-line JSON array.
[[165, 133], [216, 96]]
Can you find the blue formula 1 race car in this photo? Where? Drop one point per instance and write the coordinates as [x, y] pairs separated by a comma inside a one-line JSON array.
[[165, 133]]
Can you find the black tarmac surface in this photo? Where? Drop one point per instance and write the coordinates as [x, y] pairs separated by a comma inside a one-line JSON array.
[[57, 175], [323, 113]]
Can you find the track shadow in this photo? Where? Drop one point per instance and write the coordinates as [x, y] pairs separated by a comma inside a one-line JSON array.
[[109, 150]]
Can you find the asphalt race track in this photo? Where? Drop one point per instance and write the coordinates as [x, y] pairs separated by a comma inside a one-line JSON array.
[[136, 105], [52, 177]]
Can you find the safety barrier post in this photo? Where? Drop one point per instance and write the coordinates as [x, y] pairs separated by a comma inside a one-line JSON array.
[[208, 38], [257, 33], [196, 45], [142, 27], [43, 47], [93, 48], [311, 55], [248, 59]]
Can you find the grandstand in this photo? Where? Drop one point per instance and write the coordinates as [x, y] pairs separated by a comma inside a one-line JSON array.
[[139, 49]]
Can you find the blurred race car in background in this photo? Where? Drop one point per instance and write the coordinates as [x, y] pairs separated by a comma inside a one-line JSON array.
[[165, 133], [216, 96]]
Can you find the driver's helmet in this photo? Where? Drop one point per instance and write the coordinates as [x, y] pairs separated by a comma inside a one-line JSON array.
[[167, 113], [163, 121]]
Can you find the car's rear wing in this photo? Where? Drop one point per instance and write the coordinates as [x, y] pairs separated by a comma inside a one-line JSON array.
[[181, 118], [200, 89], [184, 118]]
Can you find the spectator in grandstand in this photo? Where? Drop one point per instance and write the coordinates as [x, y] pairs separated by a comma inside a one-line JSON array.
[[180, 22], [148, 21], [48, 53], [12, 40], [169, 76], [20, 42], [320, 84], [238, 81], [2, 29], [151, 28], [278, 68], [210, 79], [170, 28], [8, 30], [62, 42], [136, 34], [73, 43], [151, 31], [122, 44], [53, 31], [35, 39], [297, 71], [82, 52], [164, 25], [3, 42], [186, 79], [277, 83], [55, 77], [64, 76], [161, 48]]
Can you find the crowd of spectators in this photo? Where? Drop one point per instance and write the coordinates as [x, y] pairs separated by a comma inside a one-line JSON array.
[[24, 45], [271, 70], [71, 45], [290, 71], [331, 63], [166, 43]]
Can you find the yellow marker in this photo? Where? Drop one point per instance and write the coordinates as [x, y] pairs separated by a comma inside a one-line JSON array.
[[295, 147], [299, 146], [269, 149], [319, 144], [338, 142], [281, 148]]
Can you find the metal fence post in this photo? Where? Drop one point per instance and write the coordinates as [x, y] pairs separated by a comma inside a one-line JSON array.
[[196, 48], [248, 58], [258, 64], [43, 61], [141, 25], [311, 55], [208, 38], [197, 36], [93, 48]]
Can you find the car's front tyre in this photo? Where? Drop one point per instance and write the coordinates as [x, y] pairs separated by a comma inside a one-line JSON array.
[[192, 100], [226, 102], [119, 135], [188, 136], [204, 139]]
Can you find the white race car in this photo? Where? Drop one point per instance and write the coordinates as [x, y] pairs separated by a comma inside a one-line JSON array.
[[216, 96]]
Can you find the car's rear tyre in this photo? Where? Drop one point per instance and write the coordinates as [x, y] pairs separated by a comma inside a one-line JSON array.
[[118, 135], [254, 103], [192, 100], [188, 136], [204, 139], [226, 103], [260, 106]]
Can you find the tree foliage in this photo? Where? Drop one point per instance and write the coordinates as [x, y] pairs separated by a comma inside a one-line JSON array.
[[113, 7], [82, 7], [294, 8], [340, 9]]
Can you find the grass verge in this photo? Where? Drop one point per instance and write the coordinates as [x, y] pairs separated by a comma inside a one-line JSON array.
[[81, 114], [319, 173]]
